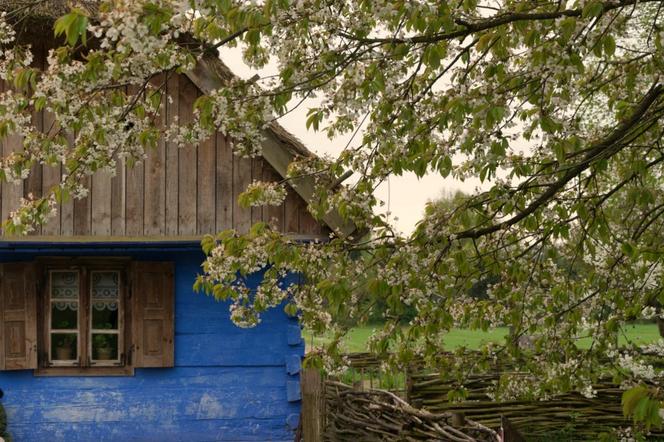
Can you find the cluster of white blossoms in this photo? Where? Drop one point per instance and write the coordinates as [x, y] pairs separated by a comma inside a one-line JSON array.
[[261, 193], [7, 33], [26, 220], [639, 370]]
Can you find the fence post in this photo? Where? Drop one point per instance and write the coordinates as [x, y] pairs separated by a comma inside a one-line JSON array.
[[313, 405]]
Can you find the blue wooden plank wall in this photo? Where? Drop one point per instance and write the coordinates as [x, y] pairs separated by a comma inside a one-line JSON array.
[[229, 384]]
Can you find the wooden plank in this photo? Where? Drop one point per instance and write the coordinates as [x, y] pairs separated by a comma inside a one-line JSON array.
[[51, 176], [11, 193], [67, 209], [292, 212], [118, 199], [82, 212], [224, 191], [33, 184], [100, 200], [155, 175], [134, 199], [308, 225], [257, 175], [313, 405], [187, 191], [134, 211], [241, 179], [274, 215], [206, 177], [171, 165]]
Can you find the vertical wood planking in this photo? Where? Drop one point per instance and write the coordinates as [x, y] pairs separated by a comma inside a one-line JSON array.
[[308, 225], [224, 191], [11, 193], [67, 207], [206, 186], [33, 184], [82, 212], [274, 215], [118, 199], [51, 178], [100, 199], [292, 218], [257, 175], [187, 197], [155, 176], [241, 179], [174, 192], [134, 200], [135, 193], [171, 166]]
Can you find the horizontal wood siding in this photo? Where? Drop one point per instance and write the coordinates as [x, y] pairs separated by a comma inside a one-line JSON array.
[[228, 383], [173, 192]]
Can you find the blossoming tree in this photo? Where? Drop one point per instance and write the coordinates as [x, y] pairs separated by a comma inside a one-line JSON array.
[[556, 105]]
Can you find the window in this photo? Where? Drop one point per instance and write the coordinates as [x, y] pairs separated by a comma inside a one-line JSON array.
[[84, 325], [86, 316]]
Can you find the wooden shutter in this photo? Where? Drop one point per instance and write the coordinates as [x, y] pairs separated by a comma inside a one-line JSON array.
[[18, 316], [152, 307]]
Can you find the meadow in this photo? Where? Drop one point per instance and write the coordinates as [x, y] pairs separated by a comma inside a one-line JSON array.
[[356, 339]]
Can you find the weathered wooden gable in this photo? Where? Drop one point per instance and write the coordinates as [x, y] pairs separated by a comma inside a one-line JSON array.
[[175, 192]]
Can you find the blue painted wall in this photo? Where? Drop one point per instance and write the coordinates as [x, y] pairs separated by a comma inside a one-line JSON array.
[[228, 384]]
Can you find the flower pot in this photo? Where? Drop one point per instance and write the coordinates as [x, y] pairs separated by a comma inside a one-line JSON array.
[[64, 353], [104, 353]]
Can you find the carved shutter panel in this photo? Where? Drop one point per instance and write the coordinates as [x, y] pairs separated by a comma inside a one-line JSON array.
[[18, 316], [152, 305]]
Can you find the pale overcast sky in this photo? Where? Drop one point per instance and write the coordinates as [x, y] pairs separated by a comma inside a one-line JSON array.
[[406, 195]]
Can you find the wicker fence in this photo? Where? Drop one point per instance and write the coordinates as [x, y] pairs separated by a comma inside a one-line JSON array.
[[566, 417], [418, 408], [336, 412]]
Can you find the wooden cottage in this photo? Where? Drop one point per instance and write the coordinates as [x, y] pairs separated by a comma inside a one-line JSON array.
[[101, 335]]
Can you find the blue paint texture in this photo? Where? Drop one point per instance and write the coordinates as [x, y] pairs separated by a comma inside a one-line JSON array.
[[294, 335], [293, 390], [228, 384], [293, 364]]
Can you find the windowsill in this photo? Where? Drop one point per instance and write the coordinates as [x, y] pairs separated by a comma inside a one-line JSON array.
[[84, 371]]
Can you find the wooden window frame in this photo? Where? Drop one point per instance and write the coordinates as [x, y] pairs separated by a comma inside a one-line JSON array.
[[86, 366]]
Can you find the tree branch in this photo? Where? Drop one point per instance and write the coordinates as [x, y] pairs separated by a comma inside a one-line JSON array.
[[493, 22], [605, 148]]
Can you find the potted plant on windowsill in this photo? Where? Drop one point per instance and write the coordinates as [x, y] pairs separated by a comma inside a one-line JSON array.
[[103, 346], [64, 348]]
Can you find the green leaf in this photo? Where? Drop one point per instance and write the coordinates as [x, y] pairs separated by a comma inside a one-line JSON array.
[[628, 249], [315, 117], [74, 25], [609, 44], [567, 28], [592, 9]]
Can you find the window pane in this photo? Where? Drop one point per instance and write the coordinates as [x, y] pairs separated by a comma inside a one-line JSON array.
[[104, 347], [64, 290], [64, 316], [64, 285], [105, 291], [64, 346], [104, 319]]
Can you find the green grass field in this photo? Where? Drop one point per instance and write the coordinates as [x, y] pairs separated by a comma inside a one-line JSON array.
[[356, 339]]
